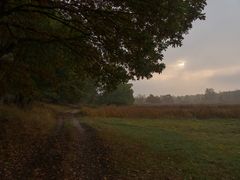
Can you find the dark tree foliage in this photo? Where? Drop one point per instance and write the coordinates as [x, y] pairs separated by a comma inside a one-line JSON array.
[[122, 95], [111, 41]]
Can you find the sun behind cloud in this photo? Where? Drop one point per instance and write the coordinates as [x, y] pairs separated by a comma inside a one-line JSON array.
[[181, 64]]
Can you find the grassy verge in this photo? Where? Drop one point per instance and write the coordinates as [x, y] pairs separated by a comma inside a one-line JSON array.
[[23, 131], [172, 149]]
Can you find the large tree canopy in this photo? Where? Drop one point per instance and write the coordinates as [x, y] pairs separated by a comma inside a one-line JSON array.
[[111, 41]]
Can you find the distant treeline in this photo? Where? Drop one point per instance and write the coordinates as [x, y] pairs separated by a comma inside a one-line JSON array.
[[210, 97], [75, 92]]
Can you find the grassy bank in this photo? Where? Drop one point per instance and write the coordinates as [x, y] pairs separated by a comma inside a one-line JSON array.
[[23, 131], [172, 148]]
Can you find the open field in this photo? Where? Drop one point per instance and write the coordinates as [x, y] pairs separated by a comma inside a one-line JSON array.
[[52, 141], [172, 148], [165, 111]]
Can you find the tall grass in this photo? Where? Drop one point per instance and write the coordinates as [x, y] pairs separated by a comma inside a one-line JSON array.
[[186, 111], [22, 131]]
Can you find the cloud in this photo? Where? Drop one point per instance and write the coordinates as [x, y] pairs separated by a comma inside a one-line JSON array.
[[209, 74], [210, 52], [226, 79], [187, 81]]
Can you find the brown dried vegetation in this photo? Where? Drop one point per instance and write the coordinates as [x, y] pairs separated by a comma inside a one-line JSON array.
[[158, 112]]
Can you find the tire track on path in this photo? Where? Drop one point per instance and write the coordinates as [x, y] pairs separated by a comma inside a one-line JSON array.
[[72, 151]]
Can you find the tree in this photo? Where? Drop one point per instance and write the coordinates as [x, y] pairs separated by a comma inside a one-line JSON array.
[[151, 99], [111, 41], [123, 95], [167, 99], [210, 95], [140, 99]]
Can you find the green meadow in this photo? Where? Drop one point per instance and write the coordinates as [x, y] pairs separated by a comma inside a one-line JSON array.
[[171, 148]]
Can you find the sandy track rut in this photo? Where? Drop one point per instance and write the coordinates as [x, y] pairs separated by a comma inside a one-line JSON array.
[[72, 151]]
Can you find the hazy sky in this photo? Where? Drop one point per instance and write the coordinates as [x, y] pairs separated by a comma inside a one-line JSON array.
[[209, 57]]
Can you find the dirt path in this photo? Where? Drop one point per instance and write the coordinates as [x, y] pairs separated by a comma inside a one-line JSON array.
[[73, 151]]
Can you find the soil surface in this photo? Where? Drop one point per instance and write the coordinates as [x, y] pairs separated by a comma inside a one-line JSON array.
[[72, 151]]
